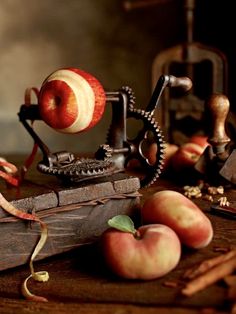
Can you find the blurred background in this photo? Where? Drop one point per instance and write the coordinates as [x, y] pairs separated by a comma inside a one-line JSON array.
[[116, 45]]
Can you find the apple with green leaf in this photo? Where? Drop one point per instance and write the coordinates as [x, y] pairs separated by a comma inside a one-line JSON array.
[[146, 253]]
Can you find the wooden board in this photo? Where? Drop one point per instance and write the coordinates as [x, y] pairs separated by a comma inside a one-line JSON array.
[[75, 214]]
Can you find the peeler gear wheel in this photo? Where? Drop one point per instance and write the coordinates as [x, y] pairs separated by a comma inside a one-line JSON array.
[[104, 152], [130, 94], [80, 169], [150, 126]]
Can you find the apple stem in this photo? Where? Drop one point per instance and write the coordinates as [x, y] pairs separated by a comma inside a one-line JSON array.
[[137, 234]]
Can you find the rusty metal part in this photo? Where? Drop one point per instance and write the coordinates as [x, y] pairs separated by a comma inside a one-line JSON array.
[[125, 149], [79, 169], [182, 116], [226, 211], [133, 149], [150, 126]]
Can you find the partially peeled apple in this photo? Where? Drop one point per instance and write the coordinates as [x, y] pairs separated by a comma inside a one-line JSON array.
[[71, 100]]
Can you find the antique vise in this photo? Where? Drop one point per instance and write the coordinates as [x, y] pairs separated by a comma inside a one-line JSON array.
[[180, 115], [113, 156]]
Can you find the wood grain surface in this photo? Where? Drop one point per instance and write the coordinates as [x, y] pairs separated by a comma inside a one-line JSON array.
[[81, 283]]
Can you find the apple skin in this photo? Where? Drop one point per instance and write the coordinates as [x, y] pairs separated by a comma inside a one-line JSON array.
[[170, 150], [71, 100], [186, 156], [175, 210], [153, 254], [151, 156], [201, 140]]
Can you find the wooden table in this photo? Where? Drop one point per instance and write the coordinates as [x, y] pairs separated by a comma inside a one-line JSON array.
[[80, 283]]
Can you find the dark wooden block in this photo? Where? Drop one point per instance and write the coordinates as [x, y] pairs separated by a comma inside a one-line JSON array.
[[75, 215]]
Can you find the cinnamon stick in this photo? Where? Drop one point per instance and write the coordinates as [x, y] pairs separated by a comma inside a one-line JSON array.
[[209, 277], [208, 264]]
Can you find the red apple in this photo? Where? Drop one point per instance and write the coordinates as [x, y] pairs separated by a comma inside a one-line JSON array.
[[201, 140], [175, 210], [71, 100], [169, 152], [151, 153], [186, 156], [152, 252]]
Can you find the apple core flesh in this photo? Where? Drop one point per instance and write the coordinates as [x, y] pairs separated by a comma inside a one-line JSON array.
[[71, 100], [153, 254]]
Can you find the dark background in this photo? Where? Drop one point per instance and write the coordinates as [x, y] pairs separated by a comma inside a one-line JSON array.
[[100, 37]]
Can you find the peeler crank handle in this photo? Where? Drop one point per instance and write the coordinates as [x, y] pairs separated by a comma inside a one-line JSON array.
[[184, 82], [167, 80]]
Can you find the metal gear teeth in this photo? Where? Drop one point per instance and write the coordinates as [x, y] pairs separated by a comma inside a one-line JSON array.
[[153, 171], [104, 152], [131, 98], [81, 168]]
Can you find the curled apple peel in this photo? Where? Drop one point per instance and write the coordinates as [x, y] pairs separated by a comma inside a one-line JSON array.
[[71, 100], [38, 276]]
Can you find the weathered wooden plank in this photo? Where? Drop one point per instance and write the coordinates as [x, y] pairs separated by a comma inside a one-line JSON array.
[[104, 187], [75, 215]]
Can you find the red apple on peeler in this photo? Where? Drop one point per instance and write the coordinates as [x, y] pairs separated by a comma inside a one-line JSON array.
[[71, 100]]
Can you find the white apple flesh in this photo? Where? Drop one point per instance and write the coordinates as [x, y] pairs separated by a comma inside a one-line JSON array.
[[154, 253], [71, 100]]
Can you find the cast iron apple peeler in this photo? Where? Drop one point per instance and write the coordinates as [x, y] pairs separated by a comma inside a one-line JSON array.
[[119, 150]]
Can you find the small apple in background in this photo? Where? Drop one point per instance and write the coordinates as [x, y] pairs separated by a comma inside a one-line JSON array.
[[71, 100], [175, 210], [147, 253], [170, 150], [186, 156], [201, 140]]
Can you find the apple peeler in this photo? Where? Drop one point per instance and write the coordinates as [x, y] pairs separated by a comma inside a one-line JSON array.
[[115, 155]]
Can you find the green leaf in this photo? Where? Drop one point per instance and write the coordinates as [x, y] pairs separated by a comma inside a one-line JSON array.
[[123, 223]]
